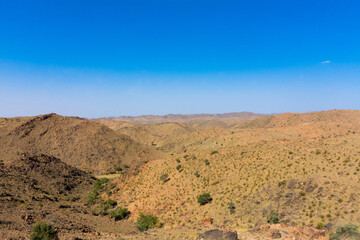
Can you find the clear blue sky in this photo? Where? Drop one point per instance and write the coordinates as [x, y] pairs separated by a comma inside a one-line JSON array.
[[110, 58]]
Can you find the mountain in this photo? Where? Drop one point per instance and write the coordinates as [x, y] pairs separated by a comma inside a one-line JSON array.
[[78, 142], [192, 119]]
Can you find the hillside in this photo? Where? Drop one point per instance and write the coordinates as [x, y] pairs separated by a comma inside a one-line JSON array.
[[304, 166], [43, 188], [178, 133], [78, 142]]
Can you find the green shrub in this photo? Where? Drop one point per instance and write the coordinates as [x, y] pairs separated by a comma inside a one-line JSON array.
[[98, 186], [120, 213], [178, 167], [100, 209], [91, 197], [281, 183], [348, 232], [207, 162], [118, 168], [111, 202], [145, 222], [164, 177], [231, 207], [197, 174], [214, 152], [43, 231], [320, 225], [273, 217], [204, 198]]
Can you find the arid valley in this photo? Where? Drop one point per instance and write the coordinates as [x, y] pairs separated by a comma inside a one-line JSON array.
[[286, 176]]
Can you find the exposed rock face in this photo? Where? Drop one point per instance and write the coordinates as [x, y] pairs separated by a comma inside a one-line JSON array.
[[218, 235]]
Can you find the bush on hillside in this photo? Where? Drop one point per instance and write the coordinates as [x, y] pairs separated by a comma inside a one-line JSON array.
[[231, 207], [320, 225], [273, 217], [43, 231], [214, 152], [111, 202], [120, 213], [98, 186], [164, 177], [204, 198], [145, 222], [348, 231]]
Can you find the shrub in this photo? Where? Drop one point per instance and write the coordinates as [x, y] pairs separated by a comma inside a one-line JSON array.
[[348, 231], [91, 197], [98, 187], [197, 174], [164, 177], [178, 167], [100, 209], [118, 168], [43, 231], [145, 222], [204, 198], [320, 225], [111, 202], [281, 183], [214, 152], [231, 207], [207, 162], [120, 213], [273, 217]]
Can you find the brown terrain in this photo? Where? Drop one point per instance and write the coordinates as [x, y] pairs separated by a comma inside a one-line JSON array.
[[305, 167], [78, 142]]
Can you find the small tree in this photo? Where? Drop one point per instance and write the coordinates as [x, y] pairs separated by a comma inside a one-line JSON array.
[[178, 167], [204, 198], [43, 231], [145, 222]]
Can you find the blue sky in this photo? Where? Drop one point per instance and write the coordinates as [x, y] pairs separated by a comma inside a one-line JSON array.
[[130, 57]]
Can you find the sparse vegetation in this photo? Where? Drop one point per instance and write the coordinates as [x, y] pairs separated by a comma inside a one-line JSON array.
[[348, 232], [99, 186]]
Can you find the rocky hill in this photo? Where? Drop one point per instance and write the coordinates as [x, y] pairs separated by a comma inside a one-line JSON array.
[[78, 142], [43, 188]]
